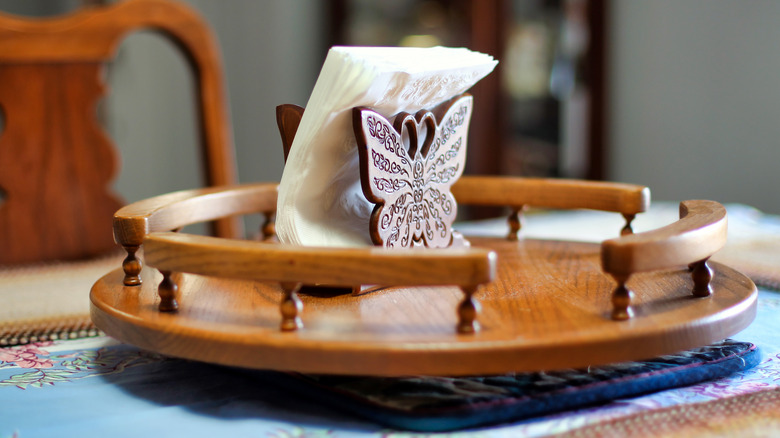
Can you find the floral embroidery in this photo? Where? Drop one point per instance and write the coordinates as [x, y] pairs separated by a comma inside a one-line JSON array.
[[299, 432], [26, 367], [27, 356], [48, 369]]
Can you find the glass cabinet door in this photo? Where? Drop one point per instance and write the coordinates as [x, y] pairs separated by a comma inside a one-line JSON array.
[[541, 112]]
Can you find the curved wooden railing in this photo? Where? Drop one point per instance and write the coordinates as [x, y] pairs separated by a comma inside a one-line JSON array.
[[700, 232], [690, 241], [173, 211], [517, 193], [146, 222], [293, 267], [552, 193]]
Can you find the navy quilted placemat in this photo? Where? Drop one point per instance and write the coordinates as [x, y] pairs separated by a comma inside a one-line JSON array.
[[427, 403]]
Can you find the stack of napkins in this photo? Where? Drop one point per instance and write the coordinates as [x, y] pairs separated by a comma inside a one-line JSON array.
[[321, 202]]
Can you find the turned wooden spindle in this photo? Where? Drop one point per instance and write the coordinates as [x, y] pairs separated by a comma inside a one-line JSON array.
[[167, 292], [515, 221], [268, 229], [132, 266], [621, 299], [291, 307], [627, 230], [468, 311], [702, 277]]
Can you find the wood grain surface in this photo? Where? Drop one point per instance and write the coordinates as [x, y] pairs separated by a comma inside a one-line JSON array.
[[548, 308], [700, 232], [551, 193], [545, 304], [175, 210], [312, 265], [178, 209]]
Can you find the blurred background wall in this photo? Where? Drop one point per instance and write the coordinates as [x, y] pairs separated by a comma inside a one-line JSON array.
[[272, 52], [693, 106], [695, 99]]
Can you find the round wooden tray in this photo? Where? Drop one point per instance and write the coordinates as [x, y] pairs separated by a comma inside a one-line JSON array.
[[549, 308]]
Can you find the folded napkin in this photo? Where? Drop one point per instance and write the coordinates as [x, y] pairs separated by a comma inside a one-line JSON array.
[[321, 202]]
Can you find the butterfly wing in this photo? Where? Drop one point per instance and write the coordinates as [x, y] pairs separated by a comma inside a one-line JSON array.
[[414, 205], [386, 173], [444, 164]]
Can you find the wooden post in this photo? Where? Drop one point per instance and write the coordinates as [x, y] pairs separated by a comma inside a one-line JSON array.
[[167, 292], [132, 266], [627, 230], [268, 229], [515, 221], [702, 277], [468, 311], [291, 307], [621, 299]]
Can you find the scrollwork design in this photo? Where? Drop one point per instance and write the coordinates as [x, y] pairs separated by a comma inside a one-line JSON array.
[[389, 185], [382, 163], [416, 205], [386, 136]]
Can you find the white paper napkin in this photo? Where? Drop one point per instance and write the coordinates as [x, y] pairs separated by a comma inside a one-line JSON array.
[[320, 199]]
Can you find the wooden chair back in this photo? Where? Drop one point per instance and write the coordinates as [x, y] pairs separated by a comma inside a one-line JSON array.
[[56, 163]]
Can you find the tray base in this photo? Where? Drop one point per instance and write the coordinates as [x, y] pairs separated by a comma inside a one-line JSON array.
[[548, 309]]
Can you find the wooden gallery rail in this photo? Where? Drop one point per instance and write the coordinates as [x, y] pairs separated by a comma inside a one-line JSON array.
[[153, 223]]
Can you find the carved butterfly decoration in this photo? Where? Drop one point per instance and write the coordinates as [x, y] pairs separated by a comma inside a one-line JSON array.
[[407, 169]]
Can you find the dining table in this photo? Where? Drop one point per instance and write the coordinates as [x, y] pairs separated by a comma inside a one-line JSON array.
[[94, 385]]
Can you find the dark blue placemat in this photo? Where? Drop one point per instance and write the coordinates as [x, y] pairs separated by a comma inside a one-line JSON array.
[[427, 403]]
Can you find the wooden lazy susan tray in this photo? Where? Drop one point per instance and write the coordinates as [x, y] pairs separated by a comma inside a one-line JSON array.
[[536, 304], [424, 300]]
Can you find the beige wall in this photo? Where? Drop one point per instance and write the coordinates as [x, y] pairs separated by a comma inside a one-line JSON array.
[[695, 99], [272, 51]]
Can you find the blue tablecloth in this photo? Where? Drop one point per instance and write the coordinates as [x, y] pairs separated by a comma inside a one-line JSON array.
[[98, 387]]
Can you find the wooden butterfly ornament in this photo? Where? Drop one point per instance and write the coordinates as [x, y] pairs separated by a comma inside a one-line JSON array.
[[407, 169]]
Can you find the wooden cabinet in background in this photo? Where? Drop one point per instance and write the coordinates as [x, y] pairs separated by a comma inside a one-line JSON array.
[[542, 111]]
